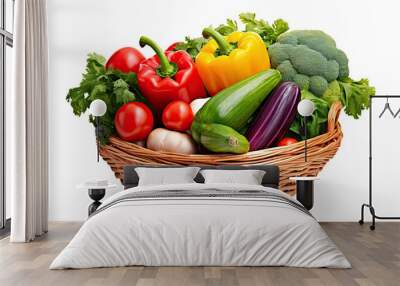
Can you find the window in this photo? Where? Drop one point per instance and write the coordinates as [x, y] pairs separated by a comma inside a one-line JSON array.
[[6, 44]]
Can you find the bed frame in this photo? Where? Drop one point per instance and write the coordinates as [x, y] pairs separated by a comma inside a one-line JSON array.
[[271, 177]]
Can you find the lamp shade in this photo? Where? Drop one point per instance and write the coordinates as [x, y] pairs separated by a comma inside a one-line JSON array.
[[98, 108], [305, 107]]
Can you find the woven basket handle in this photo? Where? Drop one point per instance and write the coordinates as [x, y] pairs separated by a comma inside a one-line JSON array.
[[333, 115]]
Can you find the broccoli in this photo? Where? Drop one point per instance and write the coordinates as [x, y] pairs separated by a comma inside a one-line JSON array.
[[312, 53], [280, 53], [287, 71], [302, 81], [320, 42], [318, 85], [304, 60], [311, 59]]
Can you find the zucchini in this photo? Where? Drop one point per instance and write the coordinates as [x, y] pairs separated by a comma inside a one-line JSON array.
[[232, 107], [221, 138]]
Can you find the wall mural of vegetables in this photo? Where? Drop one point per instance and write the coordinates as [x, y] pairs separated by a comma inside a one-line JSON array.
[[232, 90]]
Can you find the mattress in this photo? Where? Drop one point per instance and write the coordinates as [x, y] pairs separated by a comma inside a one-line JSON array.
[[201, 225]]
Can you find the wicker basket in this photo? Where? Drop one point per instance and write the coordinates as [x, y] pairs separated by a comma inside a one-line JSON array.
[[290, 159]]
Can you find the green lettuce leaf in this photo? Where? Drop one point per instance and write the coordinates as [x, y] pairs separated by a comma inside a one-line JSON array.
[[332, 93], [355, 96]]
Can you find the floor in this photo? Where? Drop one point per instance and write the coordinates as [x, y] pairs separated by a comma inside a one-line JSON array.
[[375, 257], [5, 231]]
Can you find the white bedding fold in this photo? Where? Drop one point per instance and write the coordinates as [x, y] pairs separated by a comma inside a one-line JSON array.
[[200, 231]]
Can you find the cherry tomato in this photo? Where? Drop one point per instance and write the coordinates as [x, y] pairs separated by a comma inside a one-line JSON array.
[[134, 121], [286, 141], [125, 60], [177, 115]]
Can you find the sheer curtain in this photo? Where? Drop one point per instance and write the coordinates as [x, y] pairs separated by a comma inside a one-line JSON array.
[[27, 162]]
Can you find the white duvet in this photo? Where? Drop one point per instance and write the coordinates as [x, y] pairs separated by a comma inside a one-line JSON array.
[[200, 231]]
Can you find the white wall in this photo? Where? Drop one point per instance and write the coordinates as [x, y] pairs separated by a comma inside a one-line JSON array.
[[366, 30]]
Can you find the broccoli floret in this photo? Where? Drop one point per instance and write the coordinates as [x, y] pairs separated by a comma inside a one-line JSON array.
[[332, 71], [311, 53], [318, 85], [288, 38], [302, 81], [279, 53], [324, 44], [287, 71], [335, 55], [343, 62], [307, 61], [306, 37]]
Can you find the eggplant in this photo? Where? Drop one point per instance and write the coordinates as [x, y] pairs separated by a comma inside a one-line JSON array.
[[274, 117]]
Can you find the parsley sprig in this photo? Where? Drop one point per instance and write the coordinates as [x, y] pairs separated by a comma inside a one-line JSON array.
[[269, 33], [191, 45], [112, 86]]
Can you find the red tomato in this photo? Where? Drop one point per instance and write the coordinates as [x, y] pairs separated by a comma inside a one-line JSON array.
[[286, 141], [177, 115], [133, 121], [125, 60]]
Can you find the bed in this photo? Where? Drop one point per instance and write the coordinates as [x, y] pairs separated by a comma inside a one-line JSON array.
[[201, 224]]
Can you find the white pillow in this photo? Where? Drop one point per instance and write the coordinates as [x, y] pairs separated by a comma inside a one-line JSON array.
[[248, 177], [163, 176]]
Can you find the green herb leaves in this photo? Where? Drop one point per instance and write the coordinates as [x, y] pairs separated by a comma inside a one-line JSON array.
[[228, 28], [191, 46], [112, 86], [268, 33], [122, 92]]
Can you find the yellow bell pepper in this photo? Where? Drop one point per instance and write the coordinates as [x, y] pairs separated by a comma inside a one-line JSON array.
[[224, 61]]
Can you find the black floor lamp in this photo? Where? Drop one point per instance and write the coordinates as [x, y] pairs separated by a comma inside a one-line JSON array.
[[305, 108], [97, 109], [305, 185]]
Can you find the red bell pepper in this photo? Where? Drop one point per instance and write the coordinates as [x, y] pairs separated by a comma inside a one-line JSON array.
[[172, 46], [168, 76]]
